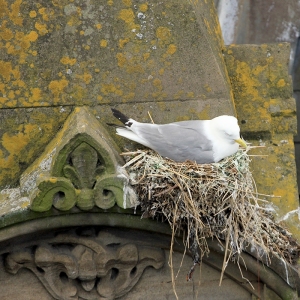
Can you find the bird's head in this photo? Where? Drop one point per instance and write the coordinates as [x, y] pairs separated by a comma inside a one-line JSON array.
[[227, 127]]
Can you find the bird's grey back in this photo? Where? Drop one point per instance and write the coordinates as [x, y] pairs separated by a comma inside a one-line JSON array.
[[179, 141]]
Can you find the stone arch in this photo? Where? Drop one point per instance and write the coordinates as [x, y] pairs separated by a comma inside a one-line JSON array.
[[85, 255]]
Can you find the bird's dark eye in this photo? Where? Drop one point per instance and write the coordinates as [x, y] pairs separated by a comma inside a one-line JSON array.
[[228, 134]]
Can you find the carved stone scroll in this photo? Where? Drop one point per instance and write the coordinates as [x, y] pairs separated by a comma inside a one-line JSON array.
[[81, 167], [80, 267]]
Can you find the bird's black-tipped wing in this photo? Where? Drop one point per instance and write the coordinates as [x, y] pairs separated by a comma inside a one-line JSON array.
[[121, 117]]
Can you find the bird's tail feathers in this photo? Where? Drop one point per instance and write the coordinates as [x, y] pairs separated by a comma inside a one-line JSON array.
[[127, 133]]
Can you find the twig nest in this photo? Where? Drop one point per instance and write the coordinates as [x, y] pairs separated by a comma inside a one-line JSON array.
[[217, 200]]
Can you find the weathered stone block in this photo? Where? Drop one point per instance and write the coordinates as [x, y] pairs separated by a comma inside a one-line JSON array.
[[262, 90]]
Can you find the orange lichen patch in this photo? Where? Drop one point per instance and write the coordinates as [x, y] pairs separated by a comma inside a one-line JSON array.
[[161, 71], [15, 143], [43, 12], [208, 88], [121, 59], [146, 55], [110, 2], [14, 13], [2, 87], [249, 83], [123, 42], [21, 143], [179, 95], [5, 33], [5, 70], [57, 86], [98, 26], [134, 68], [157, 83], [103, 43], [128, 97], [3, 8], [32, 14], [127, 3], [143, 7], [32, 36], [171, 49], [66, 60], [11, 95], [42, 28], [259, 69], [53, 179], [190, 95], [205, 113], [74, 21], [36, 94], [281, 83], [110, 88], [127, 15], [163, 33], [87, 77]]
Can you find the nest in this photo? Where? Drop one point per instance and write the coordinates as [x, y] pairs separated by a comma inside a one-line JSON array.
[[217, 200]]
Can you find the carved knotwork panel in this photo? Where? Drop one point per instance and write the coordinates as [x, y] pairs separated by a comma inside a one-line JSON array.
[[73, 266]]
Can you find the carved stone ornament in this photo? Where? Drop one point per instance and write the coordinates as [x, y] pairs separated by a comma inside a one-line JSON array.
[[84, 267], [81, 167]]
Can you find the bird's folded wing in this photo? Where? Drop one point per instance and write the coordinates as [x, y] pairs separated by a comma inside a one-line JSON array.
[[179, 141]]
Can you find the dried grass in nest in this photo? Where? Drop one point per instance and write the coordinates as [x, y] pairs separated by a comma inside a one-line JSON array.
[[217, 200]]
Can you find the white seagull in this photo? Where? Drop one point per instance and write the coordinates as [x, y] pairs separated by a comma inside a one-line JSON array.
[[203, 141]]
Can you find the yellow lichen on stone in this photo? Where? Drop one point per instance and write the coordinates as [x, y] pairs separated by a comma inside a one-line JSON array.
[[15, 143], [171, 49], [127, 3], [157, 83], [281, 83], [87, 77], [143, 7], [36, 95], [57, 87], [123, 42], [41, 28], [103, 43], [262, 91], [127, 15], [14, 13], [121, 59], [5, 33], [190, 95], [3, 8], [146, 56], [32, 14], [110, 88], [163, 33], [32, 36], [43, 12], [53, 179], [66, 60]]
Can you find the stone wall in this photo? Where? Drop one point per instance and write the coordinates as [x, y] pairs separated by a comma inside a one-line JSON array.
[[63, 65]]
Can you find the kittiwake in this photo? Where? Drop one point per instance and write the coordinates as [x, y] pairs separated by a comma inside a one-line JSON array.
[[202, 141]]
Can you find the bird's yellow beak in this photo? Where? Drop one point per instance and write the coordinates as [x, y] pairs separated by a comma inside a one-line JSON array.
[[241, 142]]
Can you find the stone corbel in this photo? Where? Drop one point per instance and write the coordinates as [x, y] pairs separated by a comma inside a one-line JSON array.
[[72, 266], [80, 167]]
